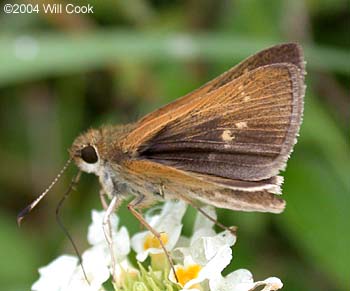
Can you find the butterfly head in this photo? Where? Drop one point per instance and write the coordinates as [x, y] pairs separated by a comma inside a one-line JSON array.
[[87, 151]]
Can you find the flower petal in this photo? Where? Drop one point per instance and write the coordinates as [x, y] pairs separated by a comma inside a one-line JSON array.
[[202, 225], [242, 280], [56, 275], [205, 248], [214, 267], [95, 231], [170, 217], [96, 271], [212, 254], [121, 248], [168, 222], [271, 284], [202, 221]]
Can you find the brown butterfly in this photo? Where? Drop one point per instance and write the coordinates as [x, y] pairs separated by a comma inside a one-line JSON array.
[[223, 144]]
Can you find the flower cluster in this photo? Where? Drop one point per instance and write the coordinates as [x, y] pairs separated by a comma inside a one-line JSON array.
[[198, 261]]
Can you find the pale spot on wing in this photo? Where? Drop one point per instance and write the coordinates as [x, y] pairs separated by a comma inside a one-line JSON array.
[[240, 87], [241, 125], [227, 135], [246, 98]]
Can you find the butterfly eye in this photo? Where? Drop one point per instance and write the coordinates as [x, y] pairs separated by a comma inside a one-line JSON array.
[[89, 155]]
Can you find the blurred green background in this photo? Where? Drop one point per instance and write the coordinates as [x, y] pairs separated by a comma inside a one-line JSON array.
[[61, 74]]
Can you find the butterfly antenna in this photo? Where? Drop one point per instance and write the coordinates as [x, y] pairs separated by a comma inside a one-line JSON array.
[[32, 205], [71, 187]]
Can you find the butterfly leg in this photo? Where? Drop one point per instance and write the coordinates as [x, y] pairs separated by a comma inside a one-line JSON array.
[[161, 191], [232, 229], [104, 202], [132, 206], [107, 229]]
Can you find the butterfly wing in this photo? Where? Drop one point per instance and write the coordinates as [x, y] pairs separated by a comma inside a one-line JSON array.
[[195, 188], [290, 53], [236, 133], [243, 130], [284, 53]]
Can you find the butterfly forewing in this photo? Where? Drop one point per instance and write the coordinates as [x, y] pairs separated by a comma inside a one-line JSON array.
[[150, 124], [243, 130]]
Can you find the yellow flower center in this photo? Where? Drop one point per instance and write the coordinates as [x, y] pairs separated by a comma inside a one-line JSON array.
[[186, 274], [153, 242]]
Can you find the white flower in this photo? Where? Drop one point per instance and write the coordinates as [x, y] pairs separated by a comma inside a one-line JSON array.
[[202, 225], [167, 223], [96, 237], [56, 275], [204, 259], [65, 274], [200, 259], [95, 231], [96, 271], [242, 280]]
